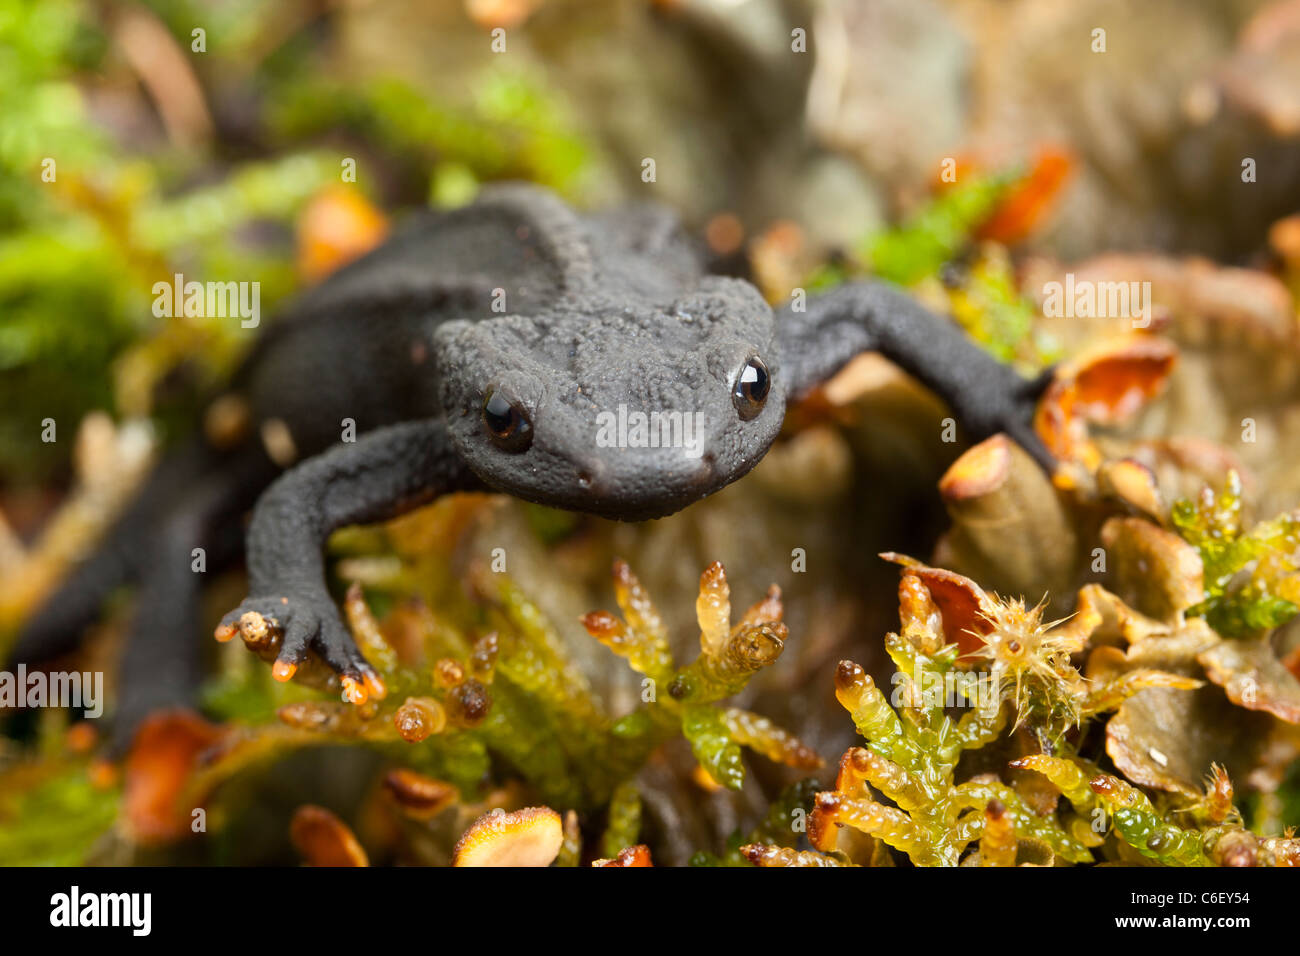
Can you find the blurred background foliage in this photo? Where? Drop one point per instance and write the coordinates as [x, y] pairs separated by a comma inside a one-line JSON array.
[[176, 152], [170, 161]]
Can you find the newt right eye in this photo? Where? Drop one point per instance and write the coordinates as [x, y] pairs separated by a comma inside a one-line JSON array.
[[750, 390], [507, 422]]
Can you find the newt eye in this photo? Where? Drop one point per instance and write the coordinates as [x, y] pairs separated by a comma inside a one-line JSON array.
[[752, 384], [507, 422]]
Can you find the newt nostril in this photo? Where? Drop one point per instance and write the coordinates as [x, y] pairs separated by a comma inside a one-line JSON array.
[[708, 469], [590, 474]]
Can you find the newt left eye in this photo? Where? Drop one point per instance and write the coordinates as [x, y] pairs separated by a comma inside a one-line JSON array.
[[752, 385], [507, 422]]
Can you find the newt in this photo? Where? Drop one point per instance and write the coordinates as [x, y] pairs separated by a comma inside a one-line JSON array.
[[482, 349]]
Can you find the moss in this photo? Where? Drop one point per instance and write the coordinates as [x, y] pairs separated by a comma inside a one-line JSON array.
[[782, 829], [906, 787], [939, 249], [937, 232], [54, 813], [1261, 599], [912, 758]]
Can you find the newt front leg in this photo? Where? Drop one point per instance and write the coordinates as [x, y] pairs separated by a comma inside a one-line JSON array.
[[385, 473], [986, 396]]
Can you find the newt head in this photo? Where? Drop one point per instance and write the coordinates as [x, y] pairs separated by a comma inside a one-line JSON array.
[[627, 409]]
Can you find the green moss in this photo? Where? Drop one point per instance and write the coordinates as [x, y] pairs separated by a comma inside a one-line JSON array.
[[623, 828], [52, 815], [911, 758], [1213, 524], [783, 826], [937, 232]]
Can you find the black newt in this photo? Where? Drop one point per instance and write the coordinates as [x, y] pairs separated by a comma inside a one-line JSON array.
[[485, 348]]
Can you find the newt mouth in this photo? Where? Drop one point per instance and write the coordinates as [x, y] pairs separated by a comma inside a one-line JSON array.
[[641, 492]]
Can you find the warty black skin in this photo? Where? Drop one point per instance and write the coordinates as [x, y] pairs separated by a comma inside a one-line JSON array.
[[599, 311]]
